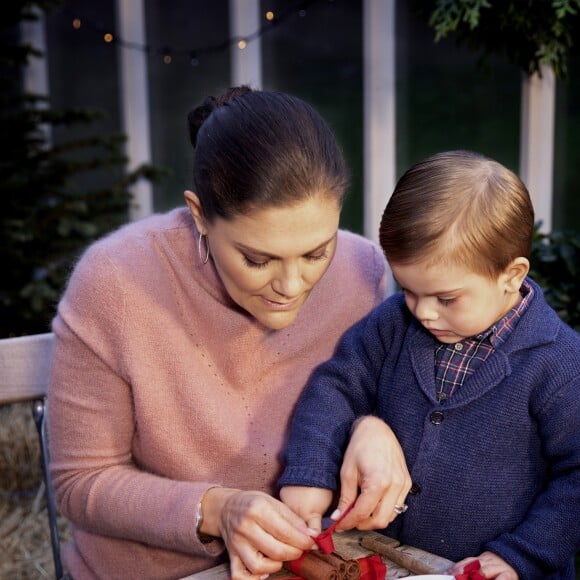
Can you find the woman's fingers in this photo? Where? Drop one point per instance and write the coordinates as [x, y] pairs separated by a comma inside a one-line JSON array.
[[374, 463], [239, 571], [261, 533]]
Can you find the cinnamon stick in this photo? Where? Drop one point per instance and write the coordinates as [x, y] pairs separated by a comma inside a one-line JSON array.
[[413, 559], [348, 569], [311, 567]]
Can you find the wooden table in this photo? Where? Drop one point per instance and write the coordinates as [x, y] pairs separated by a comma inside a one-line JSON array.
[[403, 561]]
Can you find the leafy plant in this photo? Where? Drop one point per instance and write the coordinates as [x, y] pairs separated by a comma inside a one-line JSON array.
[[555, 265], [56, 199], [527, 33]]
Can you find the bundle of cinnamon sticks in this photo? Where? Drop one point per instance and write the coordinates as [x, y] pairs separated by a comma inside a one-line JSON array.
[[318, 566]]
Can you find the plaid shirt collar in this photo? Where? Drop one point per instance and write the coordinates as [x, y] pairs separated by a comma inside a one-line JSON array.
[[455, 362]]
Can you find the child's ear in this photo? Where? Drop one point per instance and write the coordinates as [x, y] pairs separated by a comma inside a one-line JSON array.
[[515, 273]]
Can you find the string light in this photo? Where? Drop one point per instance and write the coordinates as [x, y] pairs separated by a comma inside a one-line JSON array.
[[271, 20], [167, 58]]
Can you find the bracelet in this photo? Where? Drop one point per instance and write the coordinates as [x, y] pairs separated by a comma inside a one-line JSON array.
[[198, 518], [203, 538]]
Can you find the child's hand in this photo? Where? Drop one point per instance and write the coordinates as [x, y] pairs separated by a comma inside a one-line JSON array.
[[492, 566], [308, 502]]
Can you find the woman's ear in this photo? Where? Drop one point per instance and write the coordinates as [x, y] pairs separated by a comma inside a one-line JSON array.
[[196, 210], [515, 274]]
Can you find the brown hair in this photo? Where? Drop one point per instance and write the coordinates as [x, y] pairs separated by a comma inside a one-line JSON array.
[[257, 149], [458, 207]]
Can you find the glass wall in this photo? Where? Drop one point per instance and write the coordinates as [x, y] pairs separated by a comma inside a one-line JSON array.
[[316, 54], [444, 101], [183, 62], [566, 213], [82, 66], [192, 62], [83, 71]]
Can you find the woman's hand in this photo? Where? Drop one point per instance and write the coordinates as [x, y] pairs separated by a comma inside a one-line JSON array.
[[260, 532], [374, 463], [492, 566], [310, 503]]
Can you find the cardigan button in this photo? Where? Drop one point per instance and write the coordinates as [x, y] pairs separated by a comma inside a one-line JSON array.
[[436, 417], [415, 489]]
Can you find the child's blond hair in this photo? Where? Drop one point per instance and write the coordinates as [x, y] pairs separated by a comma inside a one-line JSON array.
[[458, 207]]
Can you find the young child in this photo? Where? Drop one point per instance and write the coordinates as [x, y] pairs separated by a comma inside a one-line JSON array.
[[470, 367]]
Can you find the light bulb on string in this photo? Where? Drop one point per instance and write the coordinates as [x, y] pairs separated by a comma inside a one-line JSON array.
[[167, 58], [167, 53]]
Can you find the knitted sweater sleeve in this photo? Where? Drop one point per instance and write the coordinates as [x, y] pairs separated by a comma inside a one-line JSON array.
[[92, 424], [340, 390], [549, 536]]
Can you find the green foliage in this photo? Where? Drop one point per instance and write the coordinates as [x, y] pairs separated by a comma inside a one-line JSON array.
[[528, 33], [555, 265], [49, 213]]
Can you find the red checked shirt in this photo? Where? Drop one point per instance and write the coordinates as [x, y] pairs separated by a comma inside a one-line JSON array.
[[455, 362]]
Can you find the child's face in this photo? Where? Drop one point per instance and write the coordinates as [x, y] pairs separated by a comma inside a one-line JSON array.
[[454, 303]]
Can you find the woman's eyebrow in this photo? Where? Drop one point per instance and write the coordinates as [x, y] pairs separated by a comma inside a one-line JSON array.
[[274, 256]]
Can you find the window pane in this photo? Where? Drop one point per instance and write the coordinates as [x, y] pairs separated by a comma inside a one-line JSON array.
[[316, 54], [83, 73], [566, 213], [445, 102], [195, 34]]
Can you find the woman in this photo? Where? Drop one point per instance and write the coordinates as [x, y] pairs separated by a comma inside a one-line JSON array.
[[183, 341]]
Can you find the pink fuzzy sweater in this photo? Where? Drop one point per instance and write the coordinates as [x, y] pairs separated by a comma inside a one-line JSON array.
[[162, 387]]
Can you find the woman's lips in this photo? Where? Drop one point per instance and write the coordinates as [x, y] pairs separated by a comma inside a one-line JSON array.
[[273, 305]]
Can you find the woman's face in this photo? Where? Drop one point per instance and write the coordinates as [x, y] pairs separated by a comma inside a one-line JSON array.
[[270, 259]]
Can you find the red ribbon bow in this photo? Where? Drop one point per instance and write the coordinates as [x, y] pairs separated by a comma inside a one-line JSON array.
[[371, 567], [471, 572]]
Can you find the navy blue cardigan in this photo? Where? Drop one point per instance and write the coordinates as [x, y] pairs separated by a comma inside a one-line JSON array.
[[496, 467]]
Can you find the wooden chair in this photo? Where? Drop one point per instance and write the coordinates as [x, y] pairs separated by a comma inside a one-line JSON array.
[[24, 374]]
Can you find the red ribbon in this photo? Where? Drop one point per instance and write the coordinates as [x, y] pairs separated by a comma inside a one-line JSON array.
[[324, 539], [471, 572], [296, 565], [371, 567]]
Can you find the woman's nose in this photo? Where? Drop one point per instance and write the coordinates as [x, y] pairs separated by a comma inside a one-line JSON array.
[[289, 281]]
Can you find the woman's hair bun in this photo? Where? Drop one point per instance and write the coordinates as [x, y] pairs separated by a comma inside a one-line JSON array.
[[197, 117]]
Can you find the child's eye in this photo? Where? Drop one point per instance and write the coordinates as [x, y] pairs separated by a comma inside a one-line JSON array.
[[446, 301], [254, 264]]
